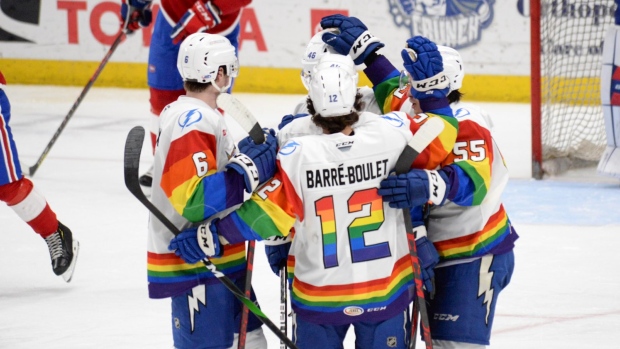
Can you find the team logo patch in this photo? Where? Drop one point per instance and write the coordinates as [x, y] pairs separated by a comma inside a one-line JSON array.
[[461, 112], [454, 23], [353, 311], [289, 148], [189, 118], [393, 119]]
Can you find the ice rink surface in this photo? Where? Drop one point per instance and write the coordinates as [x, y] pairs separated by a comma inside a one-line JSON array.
[[565, 292]]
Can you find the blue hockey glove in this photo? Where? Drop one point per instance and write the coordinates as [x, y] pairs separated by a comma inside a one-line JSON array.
[[256, 162], [196, 243], [276, 249], [354, 39], [287, 119], [199, 18], [428, 257], [135, 14], [415, 188], [423, 62]]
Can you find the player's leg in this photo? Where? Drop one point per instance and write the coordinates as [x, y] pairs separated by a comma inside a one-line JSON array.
[[311, 335], [462, 311], [388, 334], [203, 318], [165, 83], [207, 317], [20, 195]]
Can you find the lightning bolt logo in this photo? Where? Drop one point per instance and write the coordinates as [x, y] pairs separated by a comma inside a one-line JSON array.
[[484, 284], [199, 295], [189, 118]]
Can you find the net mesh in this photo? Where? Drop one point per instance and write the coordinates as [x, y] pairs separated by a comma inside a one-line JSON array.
[[572, 34]]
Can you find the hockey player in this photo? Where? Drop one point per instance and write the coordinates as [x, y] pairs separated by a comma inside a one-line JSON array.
[[19, 194], [350, 264], [468, 224], [175, 21], [197, 174]]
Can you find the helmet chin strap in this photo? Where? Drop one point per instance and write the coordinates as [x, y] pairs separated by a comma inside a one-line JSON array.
[[222, 89]]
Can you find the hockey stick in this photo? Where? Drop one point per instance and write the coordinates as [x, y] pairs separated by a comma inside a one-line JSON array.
[[133, 148], [78, 101], [248, 122], [420, 140], [283, 305], [243, 329]]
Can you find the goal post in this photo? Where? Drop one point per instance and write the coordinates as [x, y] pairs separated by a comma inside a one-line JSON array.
[[568, 129]]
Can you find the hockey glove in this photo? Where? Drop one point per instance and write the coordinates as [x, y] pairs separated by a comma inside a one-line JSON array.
[[199, 18], [197, 243], [276, 249], [256, 162], [415, 188], [135, 14], [428, 257], [354, 38], [287, 119], [423, 62]]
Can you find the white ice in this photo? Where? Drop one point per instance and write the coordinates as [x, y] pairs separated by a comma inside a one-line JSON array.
[[564, 293]]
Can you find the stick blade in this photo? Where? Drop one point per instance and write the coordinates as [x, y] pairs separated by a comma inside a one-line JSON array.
[[133, 148], [242, 116]]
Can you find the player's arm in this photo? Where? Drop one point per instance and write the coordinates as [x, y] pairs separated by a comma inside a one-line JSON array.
[[354, 38], [192, 182], [268, 215], [203, 16], [469, 166]]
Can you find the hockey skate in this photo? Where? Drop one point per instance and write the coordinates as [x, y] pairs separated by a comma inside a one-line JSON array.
[[63, 251]]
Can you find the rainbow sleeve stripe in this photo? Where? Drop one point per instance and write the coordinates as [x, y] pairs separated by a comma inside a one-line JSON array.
[[334, 304], [270, 213], [169, 275], [479, 243], [441, 147], [197, 197], [476, 169]]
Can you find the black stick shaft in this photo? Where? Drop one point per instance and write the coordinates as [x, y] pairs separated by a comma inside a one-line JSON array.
[[33, 169]]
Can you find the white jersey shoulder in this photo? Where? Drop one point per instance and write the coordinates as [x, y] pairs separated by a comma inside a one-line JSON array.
[[466, 111]]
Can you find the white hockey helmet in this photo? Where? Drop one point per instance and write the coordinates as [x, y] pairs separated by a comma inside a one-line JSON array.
[[314, 51], [333, 86], [452, 66], [201, 55]]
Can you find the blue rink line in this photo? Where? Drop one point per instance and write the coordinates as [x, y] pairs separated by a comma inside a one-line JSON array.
[[562, 203]]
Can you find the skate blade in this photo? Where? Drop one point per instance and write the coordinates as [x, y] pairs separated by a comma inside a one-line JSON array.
[[68, 274]]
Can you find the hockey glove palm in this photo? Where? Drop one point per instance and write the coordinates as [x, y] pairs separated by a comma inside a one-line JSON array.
[[414, 188], [423, 62], [256, 162], [135, 14], [196, 243], [199, 18], [287, 119], [354, 39], [276, 250]]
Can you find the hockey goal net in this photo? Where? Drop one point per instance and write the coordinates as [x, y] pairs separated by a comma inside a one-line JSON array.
[[568, 128]]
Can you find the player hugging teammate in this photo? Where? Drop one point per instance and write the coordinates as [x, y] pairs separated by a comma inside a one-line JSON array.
[[334, 211]]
